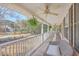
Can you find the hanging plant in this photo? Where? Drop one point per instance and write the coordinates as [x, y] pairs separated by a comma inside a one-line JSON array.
[[33, 24], [50, 27]]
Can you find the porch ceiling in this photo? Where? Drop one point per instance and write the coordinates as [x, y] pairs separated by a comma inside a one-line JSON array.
[[37, 9]]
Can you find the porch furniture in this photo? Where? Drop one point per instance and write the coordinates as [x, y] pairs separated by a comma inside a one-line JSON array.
[[64, 48], [53, 50]]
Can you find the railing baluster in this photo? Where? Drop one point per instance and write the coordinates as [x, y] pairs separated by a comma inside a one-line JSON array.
[[0, 51], [10, 50], [21, 47], [16, 49], [25, 47], [13, 49], [5, 51]]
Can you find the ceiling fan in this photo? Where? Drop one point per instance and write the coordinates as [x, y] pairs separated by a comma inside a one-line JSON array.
[[47, 11]]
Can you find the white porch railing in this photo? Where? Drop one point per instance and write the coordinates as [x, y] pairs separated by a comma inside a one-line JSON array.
[[24, 46]]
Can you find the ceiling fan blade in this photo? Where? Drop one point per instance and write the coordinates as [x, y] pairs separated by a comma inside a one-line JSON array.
[[44, 8], [47, 11], [52, 13], [47, 8]]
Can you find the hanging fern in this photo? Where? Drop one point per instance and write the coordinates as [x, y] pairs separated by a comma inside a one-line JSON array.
[[33, 24], [50, 27]]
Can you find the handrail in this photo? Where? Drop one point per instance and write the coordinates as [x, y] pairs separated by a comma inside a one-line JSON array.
[[26, 38]]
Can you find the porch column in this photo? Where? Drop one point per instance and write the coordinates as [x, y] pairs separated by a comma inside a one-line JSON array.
[[42, 35], [48, 31], [42, 29]]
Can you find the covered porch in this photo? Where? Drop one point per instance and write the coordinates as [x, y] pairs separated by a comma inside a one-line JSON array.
[[37, 45]]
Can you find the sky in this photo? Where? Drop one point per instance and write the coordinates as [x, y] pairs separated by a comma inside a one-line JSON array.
[[15, 16], [12, 15]]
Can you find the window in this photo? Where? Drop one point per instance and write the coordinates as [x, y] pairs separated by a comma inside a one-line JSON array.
[[66, 26], [77, 27], [45, 28]]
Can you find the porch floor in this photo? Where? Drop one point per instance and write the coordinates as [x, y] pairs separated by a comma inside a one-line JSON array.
[[42, 49]]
